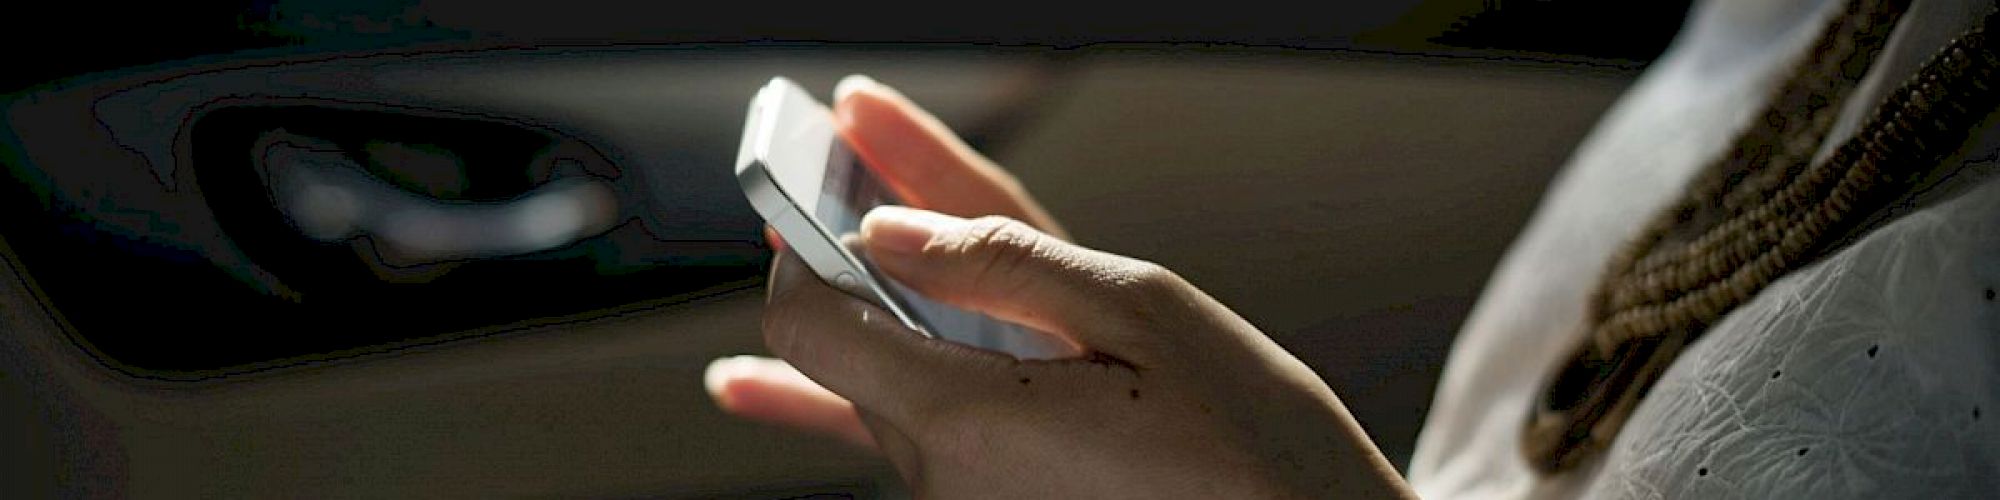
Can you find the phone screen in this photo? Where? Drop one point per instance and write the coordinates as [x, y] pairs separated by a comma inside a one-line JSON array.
[[849, 189]]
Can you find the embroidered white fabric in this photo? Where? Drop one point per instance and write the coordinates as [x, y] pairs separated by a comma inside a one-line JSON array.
[[1874, 373]]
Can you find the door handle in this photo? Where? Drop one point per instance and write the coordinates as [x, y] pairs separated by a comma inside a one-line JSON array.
[[330, 197]]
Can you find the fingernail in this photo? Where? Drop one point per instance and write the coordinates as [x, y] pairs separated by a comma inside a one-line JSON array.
[[903, 230], [850, 84], [721, 370]]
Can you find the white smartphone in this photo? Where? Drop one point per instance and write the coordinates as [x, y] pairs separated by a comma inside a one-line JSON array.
[[806, 182]]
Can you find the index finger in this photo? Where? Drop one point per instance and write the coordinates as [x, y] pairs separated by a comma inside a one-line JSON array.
[[925, 162]]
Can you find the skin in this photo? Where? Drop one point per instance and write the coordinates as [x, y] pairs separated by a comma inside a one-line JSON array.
[[1176, 395]]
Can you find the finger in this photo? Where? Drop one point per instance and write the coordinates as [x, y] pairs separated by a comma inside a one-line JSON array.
[[771, 236], [770, 391], [771, 277], [1011, 271], [924, 162], [865, 354]]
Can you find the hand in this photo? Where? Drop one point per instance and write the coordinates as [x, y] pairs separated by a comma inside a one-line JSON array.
[[928, 166], [1179, 396]]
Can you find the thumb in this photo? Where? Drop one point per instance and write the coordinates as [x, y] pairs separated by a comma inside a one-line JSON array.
[[1011, 271]]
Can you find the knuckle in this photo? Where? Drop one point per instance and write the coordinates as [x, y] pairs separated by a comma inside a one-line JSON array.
[[1145, 286], [1147, 277], [999, 246], [1000, 233], [1152, 308]]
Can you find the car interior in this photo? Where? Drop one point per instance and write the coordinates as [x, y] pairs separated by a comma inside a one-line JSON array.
[[401, 248]]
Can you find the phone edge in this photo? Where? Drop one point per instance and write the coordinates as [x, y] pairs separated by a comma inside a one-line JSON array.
[[781, 210]]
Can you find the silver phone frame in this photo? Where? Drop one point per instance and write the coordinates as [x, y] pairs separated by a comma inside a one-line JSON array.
[[803, 234]]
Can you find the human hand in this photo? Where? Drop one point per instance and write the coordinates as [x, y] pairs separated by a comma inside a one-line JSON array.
[[1178, 396], [928, 166]]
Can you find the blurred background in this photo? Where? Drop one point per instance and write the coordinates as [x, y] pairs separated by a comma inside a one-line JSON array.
[[215, 287]]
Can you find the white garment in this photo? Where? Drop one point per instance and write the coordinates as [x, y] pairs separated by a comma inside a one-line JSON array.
[[1874, 373]]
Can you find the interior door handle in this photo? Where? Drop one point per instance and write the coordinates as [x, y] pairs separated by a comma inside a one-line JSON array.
[[330, 197]]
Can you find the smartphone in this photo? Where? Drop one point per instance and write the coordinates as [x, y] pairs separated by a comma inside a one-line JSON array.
[[806, 182]]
